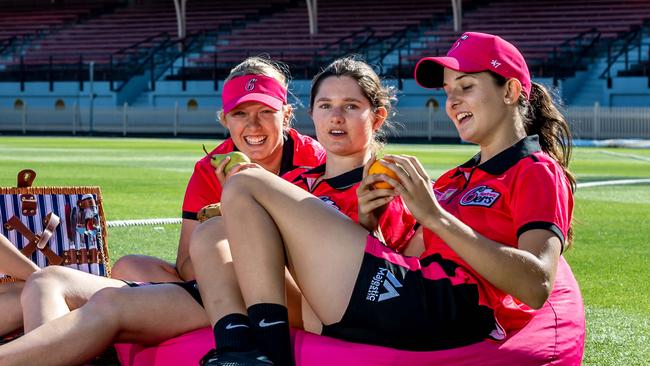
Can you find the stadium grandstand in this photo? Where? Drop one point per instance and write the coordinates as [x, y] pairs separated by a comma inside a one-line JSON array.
[[157, 66]]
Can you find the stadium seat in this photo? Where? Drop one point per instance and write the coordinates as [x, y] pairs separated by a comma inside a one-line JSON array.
[[538, 27]]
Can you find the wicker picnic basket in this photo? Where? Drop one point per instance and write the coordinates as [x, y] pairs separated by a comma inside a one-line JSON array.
[[56, 225]]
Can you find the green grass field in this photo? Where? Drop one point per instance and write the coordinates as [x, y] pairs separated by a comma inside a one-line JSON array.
[[146, 178]]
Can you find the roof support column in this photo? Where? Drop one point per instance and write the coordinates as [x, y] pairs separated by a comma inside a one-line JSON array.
[[180, 6], [457, 7], [312, 10]]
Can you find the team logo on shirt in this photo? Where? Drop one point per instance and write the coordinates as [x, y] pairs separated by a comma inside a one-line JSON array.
[[329, 201], [480, 196], [383, 280]]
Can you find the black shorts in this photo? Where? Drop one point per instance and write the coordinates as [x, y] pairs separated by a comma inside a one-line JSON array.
[[413, 304], [191, 287]]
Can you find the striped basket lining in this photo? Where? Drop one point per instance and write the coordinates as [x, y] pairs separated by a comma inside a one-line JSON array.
[[54, 199]]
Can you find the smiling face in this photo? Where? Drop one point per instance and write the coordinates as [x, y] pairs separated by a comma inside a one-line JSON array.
[[256, 130], [475, 103], [344, 118]]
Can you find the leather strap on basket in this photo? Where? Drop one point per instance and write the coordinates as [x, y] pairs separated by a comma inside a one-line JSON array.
[[28, 202], [26, 178], [39, 241]]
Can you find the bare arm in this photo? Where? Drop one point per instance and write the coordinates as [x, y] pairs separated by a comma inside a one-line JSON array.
[[183, 261], [13, 263], [415, 247], [526, 273]]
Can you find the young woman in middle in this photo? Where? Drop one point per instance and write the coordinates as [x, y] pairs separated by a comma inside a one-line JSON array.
[[349, 106]]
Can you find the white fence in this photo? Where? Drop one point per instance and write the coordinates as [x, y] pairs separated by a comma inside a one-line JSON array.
[[586, 122]]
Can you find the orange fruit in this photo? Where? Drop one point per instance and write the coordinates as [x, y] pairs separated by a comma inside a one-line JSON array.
[[378, 168]]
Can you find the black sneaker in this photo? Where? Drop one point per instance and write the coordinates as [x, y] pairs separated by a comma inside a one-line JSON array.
[[249, 358]]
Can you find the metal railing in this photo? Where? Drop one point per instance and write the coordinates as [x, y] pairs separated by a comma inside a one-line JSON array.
[[573, 53], [6, 43], [423, 123], [623, 46]]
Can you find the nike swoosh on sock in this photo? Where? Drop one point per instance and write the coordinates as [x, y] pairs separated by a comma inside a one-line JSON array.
[[264, 324]]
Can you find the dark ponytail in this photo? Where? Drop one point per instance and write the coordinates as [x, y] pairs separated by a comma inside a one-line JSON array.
[[541, 117]]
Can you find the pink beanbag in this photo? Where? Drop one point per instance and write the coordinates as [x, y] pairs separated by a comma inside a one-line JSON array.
[[555, 336]]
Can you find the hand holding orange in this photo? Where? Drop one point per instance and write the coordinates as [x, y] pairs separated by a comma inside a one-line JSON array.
[[378, 168]]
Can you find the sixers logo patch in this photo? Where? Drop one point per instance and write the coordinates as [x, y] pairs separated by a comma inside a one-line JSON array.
[[480, 196]]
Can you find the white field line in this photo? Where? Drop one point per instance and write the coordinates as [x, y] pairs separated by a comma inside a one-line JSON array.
[[623, 155], [613, 183], [173, 221]]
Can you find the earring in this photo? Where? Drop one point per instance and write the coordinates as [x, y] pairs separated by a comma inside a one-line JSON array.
[[507, 101]]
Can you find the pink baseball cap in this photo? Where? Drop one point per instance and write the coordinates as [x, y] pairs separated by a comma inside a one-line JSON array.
[[253, 88], [475, 52]]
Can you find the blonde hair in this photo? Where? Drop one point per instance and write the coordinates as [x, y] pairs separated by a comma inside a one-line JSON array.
[[260, 65]]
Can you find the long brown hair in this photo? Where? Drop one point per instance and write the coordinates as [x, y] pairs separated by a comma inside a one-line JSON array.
[[542, 117]]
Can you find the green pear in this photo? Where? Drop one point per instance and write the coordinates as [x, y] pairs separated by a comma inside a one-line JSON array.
[[236, 157]]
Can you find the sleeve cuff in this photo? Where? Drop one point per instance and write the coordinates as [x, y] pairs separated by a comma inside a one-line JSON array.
[[190, 215], [545, 226]]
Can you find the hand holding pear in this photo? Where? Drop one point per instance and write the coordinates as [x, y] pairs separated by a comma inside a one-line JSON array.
[[236, 158]]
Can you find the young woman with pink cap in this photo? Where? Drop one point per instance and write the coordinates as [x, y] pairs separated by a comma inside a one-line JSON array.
[[491, 236], [71, 316], [257, 87]]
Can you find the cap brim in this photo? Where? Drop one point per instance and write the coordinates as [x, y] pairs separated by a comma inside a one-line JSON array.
[[265, 99], [430, 71]]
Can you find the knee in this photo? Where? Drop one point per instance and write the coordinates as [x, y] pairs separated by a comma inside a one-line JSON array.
[[50, 280], [242, 185], [127, 266], [108, 303], [205, 237]]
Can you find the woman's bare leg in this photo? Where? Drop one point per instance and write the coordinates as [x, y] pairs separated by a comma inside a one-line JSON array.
[[13, 262], [144, 268], [265, 216], [215, 275], [146, 315], [210, 253], [54, 291], [11, 316]]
